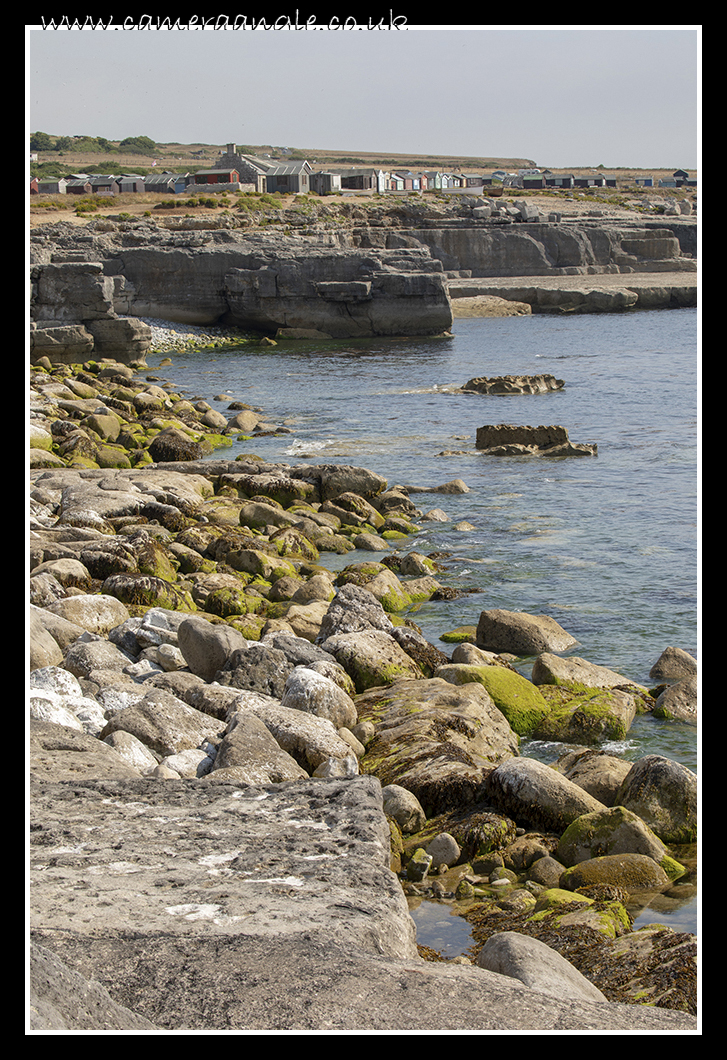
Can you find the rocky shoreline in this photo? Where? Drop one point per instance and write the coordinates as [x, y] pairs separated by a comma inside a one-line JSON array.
[[242, 765]]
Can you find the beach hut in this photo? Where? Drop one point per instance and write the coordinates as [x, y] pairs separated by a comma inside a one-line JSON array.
[[130, 182], [165, 182], [103, 184], [216, 176], [78, 184], [559, 180], [56, 186], [324, 182], [292, 178]]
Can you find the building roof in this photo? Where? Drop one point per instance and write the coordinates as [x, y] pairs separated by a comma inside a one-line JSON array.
[[216, 172], [289, 168]]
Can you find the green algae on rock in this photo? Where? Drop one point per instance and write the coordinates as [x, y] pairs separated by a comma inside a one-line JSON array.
[[585, 715], [516, 697]]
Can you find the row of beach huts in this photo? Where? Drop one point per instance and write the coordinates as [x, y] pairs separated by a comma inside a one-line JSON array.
[[244, 173]]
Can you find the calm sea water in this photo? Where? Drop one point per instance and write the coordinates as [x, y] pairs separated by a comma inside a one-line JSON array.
[[606, 545]]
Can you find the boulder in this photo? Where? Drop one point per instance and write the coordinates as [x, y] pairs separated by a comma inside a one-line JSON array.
[[521, 634], [256, 667], [673, 664], [65, 343], [444, 850], [206, 646], [371, 658], [631, 872], [314, 693], [601, 775], [380, 581], [513, 384], [546, 871], [417, 647], [537, 966], [679, 701], [93, 612], [354, 608], [434, 739], [305, 619], [48, 707], [310, 740], [549, 669], [45, 589], [615, 830], [491, 436], [517, 698], [133, 751], [506, 439], [58, 753], [173, 445], [43, 648], [84, 656], [531, 792], [404, 807], [585, 716], [164, 724], [664, 794], [251, 754]]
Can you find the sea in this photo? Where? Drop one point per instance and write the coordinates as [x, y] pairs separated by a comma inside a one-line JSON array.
[[608, 545]]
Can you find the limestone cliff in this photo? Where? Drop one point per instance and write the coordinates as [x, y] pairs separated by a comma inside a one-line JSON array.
[[359, 273]]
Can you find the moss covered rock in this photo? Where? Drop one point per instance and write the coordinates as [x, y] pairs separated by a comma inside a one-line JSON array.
[[517, 698], [633, 872], [147, 591], [585, 715], [460, 635], [615, 830]]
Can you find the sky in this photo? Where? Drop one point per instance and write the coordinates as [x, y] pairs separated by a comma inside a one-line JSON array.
[[561, 96]]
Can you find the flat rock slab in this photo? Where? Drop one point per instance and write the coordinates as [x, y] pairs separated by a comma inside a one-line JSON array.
[[187, 858]]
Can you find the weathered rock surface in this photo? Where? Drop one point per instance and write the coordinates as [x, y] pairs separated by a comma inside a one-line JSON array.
[[610, 831], [74, 317], [679, 701], [115, 698], [664, 795], [62, 1000], [530, 791], [601, 775], [673, 664], [530, 249], [258, 283], [552, 669]]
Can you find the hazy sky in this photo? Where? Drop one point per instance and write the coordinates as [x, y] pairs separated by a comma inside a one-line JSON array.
[[559, 95]]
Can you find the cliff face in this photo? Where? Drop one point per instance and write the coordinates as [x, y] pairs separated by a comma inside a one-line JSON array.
[[551, 249], [341, 292], [377, 274], [261, 283]]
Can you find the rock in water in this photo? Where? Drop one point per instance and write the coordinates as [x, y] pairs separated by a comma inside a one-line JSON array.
[[514, 384]]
